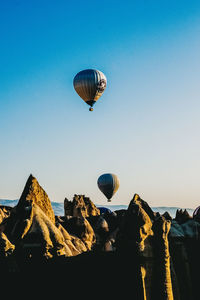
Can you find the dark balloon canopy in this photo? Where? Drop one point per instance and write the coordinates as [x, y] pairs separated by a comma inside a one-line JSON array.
[[196, 212], [108, 184], [90, 85]]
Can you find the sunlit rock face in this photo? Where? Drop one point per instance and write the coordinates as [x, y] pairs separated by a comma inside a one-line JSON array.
[[4, 212], [35, 193], [30, 230]]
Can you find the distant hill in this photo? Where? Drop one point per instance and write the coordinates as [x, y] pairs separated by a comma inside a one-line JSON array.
[[171, 210], [8, 202], [58, 207]]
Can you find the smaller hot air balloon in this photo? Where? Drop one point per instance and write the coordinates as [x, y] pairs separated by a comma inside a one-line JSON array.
[[90, 85], [108, 184]]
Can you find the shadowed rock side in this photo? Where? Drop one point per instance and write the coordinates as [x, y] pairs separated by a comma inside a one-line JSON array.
[[149, 255]]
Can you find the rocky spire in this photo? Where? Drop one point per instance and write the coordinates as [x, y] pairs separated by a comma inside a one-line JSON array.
[[34, 192], [81, 206]]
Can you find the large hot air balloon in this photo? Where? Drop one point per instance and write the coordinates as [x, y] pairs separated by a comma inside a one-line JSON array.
[[108, 185], [90, 85]]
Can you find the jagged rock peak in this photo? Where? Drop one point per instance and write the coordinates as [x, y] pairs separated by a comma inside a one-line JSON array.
[[182, 216], [80, 206], [35, 193], [143, 204], [136, 226]]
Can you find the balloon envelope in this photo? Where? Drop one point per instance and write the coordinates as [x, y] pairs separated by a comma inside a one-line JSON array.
[[90, 85], [108, 184], [196, 212]]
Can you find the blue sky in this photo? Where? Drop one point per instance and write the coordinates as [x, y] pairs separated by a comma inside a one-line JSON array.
[[145, 128]]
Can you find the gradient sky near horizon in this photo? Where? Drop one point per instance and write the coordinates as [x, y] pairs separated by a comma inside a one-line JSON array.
[[145, 128]]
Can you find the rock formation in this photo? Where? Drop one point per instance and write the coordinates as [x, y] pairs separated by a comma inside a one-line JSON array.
[[162, 257], [34, 192], [81, 228], [136, 226], [6, 247], [4, 212], [80, 206], [29, 229], [134, 238], [154, 255]]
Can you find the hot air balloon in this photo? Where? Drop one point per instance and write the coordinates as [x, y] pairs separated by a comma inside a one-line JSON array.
[[108, 185], [90, 85], [196, 212]]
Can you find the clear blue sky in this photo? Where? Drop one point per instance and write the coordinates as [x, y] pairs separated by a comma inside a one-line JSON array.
[[146, 126]]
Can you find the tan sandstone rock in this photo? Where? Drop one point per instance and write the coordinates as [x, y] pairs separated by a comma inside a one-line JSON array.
[[34, 192], [35, 234]]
